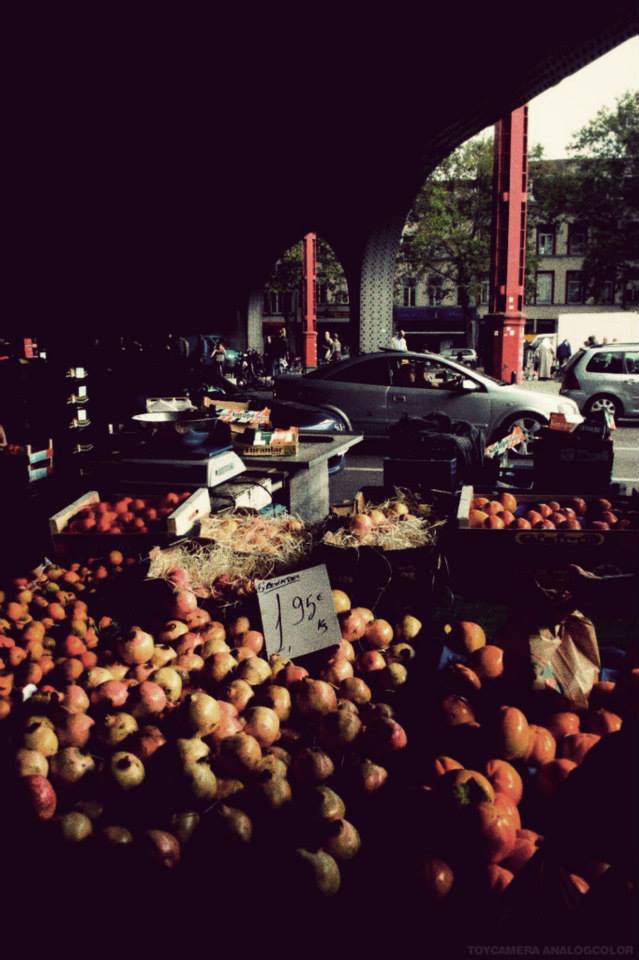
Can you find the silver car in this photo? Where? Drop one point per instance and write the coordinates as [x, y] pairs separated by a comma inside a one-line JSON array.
[[375, 389], [604, 378], [465, 355]]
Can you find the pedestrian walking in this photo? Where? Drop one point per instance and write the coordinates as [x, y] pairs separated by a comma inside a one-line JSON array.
[[398, 341], [546, 356], [268, 355], [327, 354], [219, 358], [280, 353], [564, 353]]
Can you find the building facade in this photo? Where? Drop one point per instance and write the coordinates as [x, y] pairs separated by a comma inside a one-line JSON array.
[[429, 309]]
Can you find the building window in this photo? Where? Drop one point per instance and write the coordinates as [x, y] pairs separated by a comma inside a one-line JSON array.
[[574, 286], [484, 293], [577, 236], [546, 241], [272, 302], [544, 286], [321, 292], [606, 292], [546, 325], [409, 291], [435, 292], [341, 296]]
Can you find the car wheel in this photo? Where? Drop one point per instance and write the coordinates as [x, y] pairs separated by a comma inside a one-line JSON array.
[[339, 415], [531, 424], [335, 464], [607, 404]]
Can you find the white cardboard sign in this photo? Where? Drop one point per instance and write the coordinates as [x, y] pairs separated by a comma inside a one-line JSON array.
[[298, 616]]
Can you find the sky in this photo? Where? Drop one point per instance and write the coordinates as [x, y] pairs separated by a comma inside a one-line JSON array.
[[562, 110]]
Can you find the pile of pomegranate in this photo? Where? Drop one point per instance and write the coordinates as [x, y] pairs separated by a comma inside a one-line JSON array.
[[574, 514], [123, 736]]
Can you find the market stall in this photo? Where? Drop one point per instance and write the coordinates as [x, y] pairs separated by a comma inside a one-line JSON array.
[[323, 713]]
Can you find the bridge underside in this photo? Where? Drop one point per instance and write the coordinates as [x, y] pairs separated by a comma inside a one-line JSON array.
[[164, 193]]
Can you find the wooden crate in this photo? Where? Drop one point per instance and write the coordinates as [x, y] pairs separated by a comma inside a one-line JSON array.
[[484, 554], [183, 521]]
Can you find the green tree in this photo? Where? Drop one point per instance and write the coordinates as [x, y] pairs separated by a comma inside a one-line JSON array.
[[287, 273], [447, 233], [599, 187], [448, 230]]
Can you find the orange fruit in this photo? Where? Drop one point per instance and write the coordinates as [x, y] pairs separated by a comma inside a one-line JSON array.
[[477, 518], [488, 662]]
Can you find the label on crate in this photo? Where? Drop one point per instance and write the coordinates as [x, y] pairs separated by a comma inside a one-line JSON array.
[[585, 538], [298, 616]]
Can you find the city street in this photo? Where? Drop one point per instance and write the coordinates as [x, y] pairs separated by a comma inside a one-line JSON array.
[[364, 463]]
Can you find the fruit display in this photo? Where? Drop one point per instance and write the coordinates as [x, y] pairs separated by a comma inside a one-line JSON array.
[[397, 523], [171, 741], [244, 547], [120, 731], [507, 511], [128, 515]]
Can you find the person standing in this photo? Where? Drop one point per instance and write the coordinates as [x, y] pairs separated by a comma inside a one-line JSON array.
[[337, 348], [546, 356], [280, 353], [564, 352], [268, 356], [327, 354], [398, 341], [219, 358]]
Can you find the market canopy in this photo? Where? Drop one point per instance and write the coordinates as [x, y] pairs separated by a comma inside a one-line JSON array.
[[159, 183]]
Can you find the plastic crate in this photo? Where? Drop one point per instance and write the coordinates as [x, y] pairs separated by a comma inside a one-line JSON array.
[[26, 465]]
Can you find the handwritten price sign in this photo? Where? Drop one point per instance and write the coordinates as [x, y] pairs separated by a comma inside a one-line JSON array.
[[297, 611]]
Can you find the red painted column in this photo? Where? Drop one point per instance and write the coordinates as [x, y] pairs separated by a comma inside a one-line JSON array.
[[309, 329], [507, 320]]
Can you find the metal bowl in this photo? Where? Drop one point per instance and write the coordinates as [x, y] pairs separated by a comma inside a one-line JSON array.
[[177, 424]]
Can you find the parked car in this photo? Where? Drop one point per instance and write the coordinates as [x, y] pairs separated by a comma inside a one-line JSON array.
[[464, 355], [375, 389], [606, 378]]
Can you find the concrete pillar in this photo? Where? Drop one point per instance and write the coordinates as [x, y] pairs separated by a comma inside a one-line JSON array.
[[377, 278], [254, 337]]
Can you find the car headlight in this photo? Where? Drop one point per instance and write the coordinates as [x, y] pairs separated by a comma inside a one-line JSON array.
[[568, 407]]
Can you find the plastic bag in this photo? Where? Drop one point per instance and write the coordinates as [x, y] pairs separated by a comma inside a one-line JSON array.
[[554, 648]]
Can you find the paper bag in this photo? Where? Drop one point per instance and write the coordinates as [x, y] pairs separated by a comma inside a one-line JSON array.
[[576, 661], [563, 657]]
